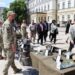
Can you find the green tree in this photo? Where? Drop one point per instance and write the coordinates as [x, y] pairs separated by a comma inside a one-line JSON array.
[[5, 13], [20, 8]]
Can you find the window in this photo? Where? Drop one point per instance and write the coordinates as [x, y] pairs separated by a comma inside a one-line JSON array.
[[48, 18], [68, 17], [33, 11], [63, 18], [58, 18], [39, 1], [39, 9], [48, 7], [74, 3], [63, 5], [44, 8], [36, 10], [58, 6], [39, 19], [44, 18], [74, 17], [69, 4]]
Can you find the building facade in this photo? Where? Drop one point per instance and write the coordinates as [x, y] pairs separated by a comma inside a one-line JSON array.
[[66, 10], [42, 10], [61, 10]]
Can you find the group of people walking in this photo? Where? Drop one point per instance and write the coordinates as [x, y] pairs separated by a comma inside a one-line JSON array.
[[41, 29]]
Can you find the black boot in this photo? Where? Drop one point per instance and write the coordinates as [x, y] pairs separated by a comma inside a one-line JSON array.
[[18, 71]]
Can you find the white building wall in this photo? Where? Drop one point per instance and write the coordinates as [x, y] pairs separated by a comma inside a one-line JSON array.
[[40, 4], [67, 10], [50, 6]]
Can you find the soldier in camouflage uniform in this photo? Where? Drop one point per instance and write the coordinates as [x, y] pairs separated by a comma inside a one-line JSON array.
[[9, 41]]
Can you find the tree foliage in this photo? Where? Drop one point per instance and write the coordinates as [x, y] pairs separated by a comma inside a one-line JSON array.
[[20, 8], [5, 13]]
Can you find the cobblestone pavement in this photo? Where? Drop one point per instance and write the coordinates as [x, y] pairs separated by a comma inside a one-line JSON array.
[[26, 70]]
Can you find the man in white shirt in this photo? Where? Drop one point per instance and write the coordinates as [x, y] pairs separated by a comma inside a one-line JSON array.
[[72, 36], [54, 31]]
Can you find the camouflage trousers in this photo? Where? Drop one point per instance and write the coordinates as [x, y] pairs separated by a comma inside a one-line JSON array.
[[0, 51], [33, 36], [1, 47], [10, 61]]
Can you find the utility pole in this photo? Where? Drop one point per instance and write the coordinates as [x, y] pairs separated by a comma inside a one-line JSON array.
[[56, 10], [27, 5]]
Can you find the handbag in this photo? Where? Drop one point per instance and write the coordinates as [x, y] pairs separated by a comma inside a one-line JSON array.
[[56, 31]]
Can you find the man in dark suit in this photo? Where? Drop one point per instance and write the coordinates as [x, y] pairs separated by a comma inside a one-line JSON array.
[[68, 26], [40, 30], [45, 25]]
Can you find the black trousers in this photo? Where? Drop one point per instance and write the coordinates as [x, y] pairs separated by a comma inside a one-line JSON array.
[[71, 45], [45, 35], [40, 37], [53, 38], [50, 35]]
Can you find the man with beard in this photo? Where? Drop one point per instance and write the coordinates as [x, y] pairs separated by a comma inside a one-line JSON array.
[[9, 41]]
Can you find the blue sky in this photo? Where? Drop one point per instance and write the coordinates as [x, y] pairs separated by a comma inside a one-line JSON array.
[[5, 3]]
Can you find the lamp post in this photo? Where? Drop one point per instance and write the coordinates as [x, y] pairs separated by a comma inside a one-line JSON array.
[[27, 5], [56, 12]]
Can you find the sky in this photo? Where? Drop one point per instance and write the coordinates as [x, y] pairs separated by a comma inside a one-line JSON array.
[[5, 3]]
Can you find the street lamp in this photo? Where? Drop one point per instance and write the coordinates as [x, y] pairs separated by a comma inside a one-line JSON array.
[[56, 10]]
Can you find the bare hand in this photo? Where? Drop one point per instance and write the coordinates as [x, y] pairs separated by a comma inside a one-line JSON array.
[[72, 42]]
